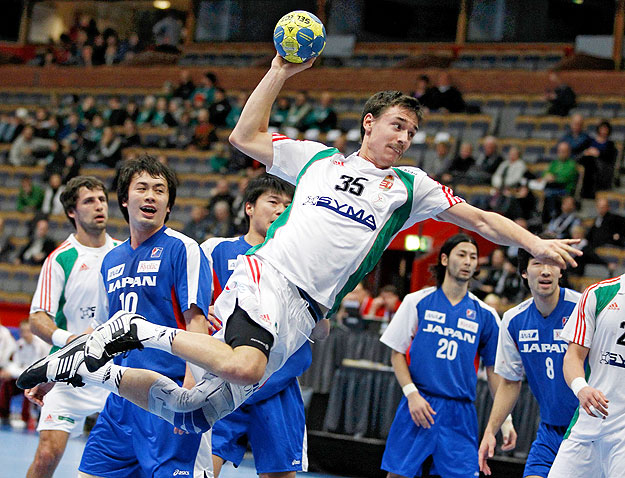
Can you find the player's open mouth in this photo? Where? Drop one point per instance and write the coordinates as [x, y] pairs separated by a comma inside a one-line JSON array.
[[545, 282], [148, 209], [396, 149]]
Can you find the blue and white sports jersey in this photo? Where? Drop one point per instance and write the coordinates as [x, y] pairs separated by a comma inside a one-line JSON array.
[[531, 343], [444, 340], [222, 255], [160, 280]]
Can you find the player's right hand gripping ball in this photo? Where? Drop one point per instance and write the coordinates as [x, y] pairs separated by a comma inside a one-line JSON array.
[[299, 36]]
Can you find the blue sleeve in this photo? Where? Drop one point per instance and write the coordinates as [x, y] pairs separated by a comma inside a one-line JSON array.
[[488, 339]]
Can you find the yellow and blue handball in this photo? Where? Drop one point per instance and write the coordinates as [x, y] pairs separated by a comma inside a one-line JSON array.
[[299, 36]]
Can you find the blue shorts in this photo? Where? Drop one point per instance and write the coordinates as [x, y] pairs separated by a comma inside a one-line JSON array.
[[451, 441], [275, 428], [129, 441], [544, 450]]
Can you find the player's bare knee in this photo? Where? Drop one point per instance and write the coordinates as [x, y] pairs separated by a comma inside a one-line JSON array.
[[247, 367]]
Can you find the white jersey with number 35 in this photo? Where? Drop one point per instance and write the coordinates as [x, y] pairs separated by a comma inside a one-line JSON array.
[[344, 214]]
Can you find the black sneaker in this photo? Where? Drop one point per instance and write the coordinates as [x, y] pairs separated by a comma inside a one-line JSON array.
[[61, 366], [116, 336]]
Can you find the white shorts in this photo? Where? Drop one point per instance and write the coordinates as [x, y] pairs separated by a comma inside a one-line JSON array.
[[65, 407], [601, 458], [271, 301]]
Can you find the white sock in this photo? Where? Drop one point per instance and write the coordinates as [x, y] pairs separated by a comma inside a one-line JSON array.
[[155, 336], [108, 376]]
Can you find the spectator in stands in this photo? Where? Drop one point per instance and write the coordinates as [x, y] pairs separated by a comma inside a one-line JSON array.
[[510, 173], [93, 133], [115, 114], [158, 119], [61, 163], [28, 350], [183, 135], [6, 248], [131, 137], [7, 349], [460, 166], [111, 53], [221, 224], [167, 33], [204, 133], [14, 125], [174, 111], [98, 51], [487, 161], [87, 108], [235, 110], [221, 192], [205, 93], [576, 137], [239, 216], [147, 110], [608, 228], [132, 111], [26, 146], [39, 246], [52, 195], [298, 116], [599, 162], [437, 162], [562, 225], [449, 97], [490, 273], [560, 96], [280, 112], [559, 180], [590, 256], [30, 196], [354, 303], [185, 87], [426, 93], [130, 47], [72, 130], [383, 307], [220, 108], [109, 149], [219, 160], [46, 126], [323, 116], [198, 226]]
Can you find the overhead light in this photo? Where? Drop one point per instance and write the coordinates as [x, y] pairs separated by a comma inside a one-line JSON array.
[[578, 2], [162, 4]]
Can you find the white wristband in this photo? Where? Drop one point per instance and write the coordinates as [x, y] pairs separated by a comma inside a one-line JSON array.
[[577, 384], [508, 419], [60, 337], [409, 388]]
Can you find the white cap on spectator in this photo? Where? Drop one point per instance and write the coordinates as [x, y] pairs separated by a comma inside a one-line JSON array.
[[21, 113], [442, 137], [291, 132], [312, 134], [419, 137], [353, 135], [333, 135]]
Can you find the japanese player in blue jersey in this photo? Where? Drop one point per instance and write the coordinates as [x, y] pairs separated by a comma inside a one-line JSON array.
[[530, 343], [157, 273], [445, 328], [272, 420], [345, 213]]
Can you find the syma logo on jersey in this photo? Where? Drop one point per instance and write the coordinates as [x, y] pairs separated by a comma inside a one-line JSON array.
[[345, 210], [612, 358]]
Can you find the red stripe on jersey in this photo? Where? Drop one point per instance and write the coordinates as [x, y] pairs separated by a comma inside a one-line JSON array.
[[278, 137], [449, 195], [580, 324], [217, 289], [180, 320], [257, 267], [45, 301], [252, 271]]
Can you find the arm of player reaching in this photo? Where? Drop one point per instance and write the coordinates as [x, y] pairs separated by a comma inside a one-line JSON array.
[[505, 398], [420, 410], [250, 134], [44, 327], [593, 401], [196, 322], [501, 230]]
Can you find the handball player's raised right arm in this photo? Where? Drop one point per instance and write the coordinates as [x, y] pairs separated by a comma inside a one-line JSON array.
[[250, 134]]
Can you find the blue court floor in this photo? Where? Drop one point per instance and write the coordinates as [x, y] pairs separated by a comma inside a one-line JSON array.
[[17, 449]]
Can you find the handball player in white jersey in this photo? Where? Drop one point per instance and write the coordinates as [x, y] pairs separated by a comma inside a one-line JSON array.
[[63, 306], [345, 212]]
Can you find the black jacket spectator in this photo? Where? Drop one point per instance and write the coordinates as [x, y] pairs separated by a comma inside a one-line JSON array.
[[560, 96], [608, 229]]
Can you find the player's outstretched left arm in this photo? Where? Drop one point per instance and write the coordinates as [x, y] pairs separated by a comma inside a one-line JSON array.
[[250, 134], [501, 230], [592, 400]]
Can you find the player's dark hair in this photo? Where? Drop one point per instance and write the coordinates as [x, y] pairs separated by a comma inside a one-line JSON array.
[[382, 100], [145, 164], [438, 270], [69, 196], [523, 258], [263, 183]]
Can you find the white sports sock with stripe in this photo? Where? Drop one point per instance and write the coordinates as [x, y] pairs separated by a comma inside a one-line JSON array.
[[108, 377]]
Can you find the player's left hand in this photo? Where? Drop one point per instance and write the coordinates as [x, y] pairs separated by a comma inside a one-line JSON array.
[[557, 252], [486, 450], [213, 322], [178, 431]]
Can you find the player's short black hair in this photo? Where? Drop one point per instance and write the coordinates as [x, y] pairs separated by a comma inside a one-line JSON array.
[[69, 196], [438, 270], [148, 164], [382, 100], [523, 258], [263, 183]]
